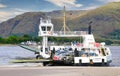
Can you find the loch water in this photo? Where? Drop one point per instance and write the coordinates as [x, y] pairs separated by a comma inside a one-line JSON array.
[[12, 52]]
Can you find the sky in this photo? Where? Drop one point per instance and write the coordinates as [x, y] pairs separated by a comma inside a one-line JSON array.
[[11, 8]]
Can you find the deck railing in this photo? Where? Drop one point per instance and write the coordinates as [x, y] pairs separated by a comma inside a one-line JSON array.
[[70, 32]]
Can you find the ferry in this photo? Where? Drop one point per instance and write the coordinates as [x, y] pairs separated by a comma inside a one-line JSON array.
[[87, 52]]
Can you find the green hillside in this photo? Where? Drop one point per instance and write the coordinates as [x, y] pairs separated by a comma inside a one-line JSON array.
[[105, 21]]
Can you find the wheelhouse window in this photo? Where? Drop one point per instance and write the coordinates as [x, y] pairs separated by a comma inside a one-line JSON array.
[[48, 28], [43, 28]]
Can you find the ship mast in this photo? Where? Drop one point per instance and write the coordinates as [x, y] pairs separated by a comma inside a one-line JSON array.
[[65, 28], [64, 22]]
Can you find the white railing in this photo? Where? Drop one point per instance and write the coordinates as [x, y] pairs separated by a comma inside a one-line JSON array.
[[70, 32], [62, 34]]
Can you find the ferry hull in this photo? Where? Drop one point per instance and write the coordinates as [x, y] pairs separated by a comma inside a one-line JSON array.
[[92, 60]]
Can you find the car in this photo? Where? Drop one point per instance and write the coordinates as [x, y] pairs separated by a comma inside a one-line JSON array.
[[65, 56]]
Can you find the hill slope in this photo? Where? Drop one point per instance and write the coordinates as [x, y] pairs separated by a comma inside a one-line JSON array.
[[106, 20], [28, 23]]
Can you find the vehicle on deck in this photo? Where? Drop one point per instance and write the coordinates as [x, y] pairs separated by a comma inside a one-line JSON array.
[[66, 56]]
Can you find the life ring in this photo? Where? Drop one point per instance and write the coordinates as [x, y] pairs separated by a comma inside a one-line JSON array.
[[49, 32]]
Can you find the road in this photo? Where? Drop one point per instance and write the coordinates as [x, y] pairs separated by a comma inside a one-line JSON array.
[[60, 71]]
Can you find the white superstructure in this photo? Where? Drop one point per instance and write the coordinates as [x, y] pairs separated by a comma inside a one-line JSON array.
[[87, 52], [45, 30]]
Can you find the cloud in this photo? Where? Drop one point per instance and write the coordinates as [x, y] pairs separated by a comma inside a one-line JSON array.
[[109, 0], [67, 3], [2, 5], [18, 11], [90, 8], [4, 15]]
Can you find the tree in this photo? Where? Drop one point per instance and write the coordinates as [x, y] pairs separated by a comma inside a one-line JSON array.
[[12, 39]]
